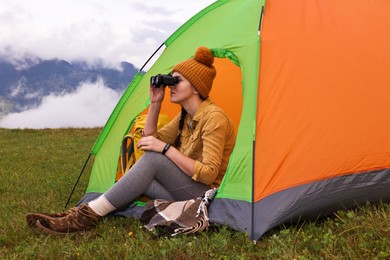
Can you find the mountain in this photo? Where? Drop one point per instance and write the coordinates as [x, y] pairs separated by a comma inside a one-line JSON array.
[[22, 88]]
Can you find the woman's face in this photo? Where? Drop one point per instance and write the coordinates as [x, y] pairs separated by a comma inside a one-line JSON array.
[[182, 91]]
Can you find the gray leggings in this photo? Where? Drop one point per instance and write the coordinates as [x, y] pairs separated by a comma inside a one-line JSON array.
[[157, 177]]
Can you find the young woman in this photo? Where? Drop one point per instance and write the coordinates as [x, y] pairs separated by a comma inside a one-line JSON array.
[[182, 160]]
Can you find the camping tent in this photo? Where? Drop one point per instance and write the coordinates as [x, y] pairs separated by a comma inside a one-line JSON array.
[[307, 84]]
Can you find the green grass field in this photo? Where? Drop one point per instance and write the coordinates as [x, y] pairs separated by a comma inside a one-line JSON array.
[[38, 169]]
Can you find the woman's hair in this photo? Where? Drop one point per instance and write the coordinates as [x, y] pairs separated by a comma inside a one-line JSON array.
[[181, 126], [181, 123]]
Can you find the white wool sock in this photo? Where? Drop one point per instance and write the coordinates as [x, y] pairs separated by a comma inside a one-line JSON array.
[[101, 206]]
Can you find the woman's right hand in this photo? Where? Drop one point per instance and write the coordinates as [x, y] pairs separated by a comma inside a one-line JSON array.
[[157, 94]]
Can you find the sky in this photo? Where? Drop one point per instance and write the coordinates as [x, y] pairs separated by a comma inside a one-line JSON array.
[[91, 30]]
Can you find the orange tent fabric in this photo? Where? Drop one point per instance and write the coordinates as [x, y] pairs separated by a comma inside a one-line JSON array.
[[323, 93]]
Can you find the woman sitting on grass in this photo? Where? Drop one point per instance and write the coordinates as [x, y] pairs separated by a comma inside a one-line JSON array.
[[182, 160]]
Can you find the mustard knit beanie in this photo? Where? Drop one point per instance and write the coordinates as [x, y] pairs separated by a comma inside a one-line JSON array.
[[199, 70]]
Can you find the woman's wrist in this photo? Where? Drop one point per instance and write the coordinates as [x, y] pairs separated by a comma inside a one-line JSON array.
[[166, 148]]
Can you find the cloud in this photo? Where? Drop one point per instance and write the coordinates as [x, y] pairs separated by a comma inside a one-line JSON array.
[[92, 30], [89, 106], [20, 58], [153, 9], [113, 31]]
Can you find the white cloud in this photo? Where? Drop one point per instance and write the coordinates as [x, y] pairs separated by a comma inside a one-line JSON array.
[[89, 106], [18, 89], [88, 30], [113, 31]]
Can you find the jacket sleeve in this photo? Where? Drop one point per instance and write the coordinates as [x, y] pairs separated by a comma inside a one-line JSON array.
[[169, 132], [214, 134]]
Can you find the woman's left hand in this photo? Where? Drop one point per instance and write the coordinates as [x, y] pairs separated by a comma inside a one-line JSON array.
[[150, 143]]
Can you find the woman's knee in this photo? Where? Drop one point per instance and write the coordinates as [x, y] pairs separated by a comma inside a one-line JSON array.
[[153, 157], [153, 160]]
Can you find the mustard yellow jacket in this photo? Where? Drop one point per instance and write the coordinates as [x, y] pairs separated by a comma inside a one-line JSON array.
[[208, 138]]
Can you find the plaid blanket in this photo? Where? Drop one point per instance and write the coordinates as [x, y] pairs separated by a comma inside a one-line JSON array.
[[178, 217]]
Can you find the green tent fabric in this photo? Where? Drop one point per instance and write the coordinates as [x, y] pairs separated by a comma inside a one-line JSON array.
[[239, 34]]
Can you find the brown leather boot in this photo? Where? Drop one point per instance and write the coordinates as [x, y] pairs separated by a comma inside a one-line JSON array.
[[82, 219], [33, 217]]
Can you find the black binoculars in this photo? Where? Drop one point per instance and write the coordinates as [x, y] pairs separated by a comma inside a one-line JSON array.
[[163, 80]]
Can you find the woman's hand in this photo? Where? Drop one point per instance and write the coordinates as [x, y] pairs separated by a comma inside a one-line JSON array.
[[151, 143], [157, 94]]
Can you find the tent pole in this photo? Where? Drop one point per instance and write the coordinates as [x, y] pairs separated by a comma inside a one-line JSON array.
[[261, 19], [89, 156], [77, 181], [154, 53], [252, 236]]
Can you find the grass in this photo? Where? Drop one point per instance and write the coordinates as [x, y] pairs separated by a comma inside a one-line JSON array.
[[38, 169]]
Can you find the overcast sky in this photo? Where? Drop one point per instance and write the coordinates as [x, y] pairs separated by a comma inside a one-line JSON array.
[[115, 30], [110, 31]]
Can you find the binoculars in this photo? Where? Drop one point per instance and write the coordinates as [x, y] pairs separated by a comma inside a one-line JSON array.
[[163, 80]]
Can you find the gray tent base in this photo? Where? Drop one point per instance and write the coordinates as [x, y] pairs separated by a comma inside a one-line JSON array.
[[304, 202]]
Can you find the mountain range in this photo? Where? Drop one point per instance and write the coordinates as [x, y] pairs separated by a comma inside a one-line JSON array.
[[24, 87]]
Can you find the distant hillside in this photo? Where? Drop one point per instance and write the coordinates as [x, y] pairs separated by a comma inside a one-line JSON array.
[[23, 88]]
